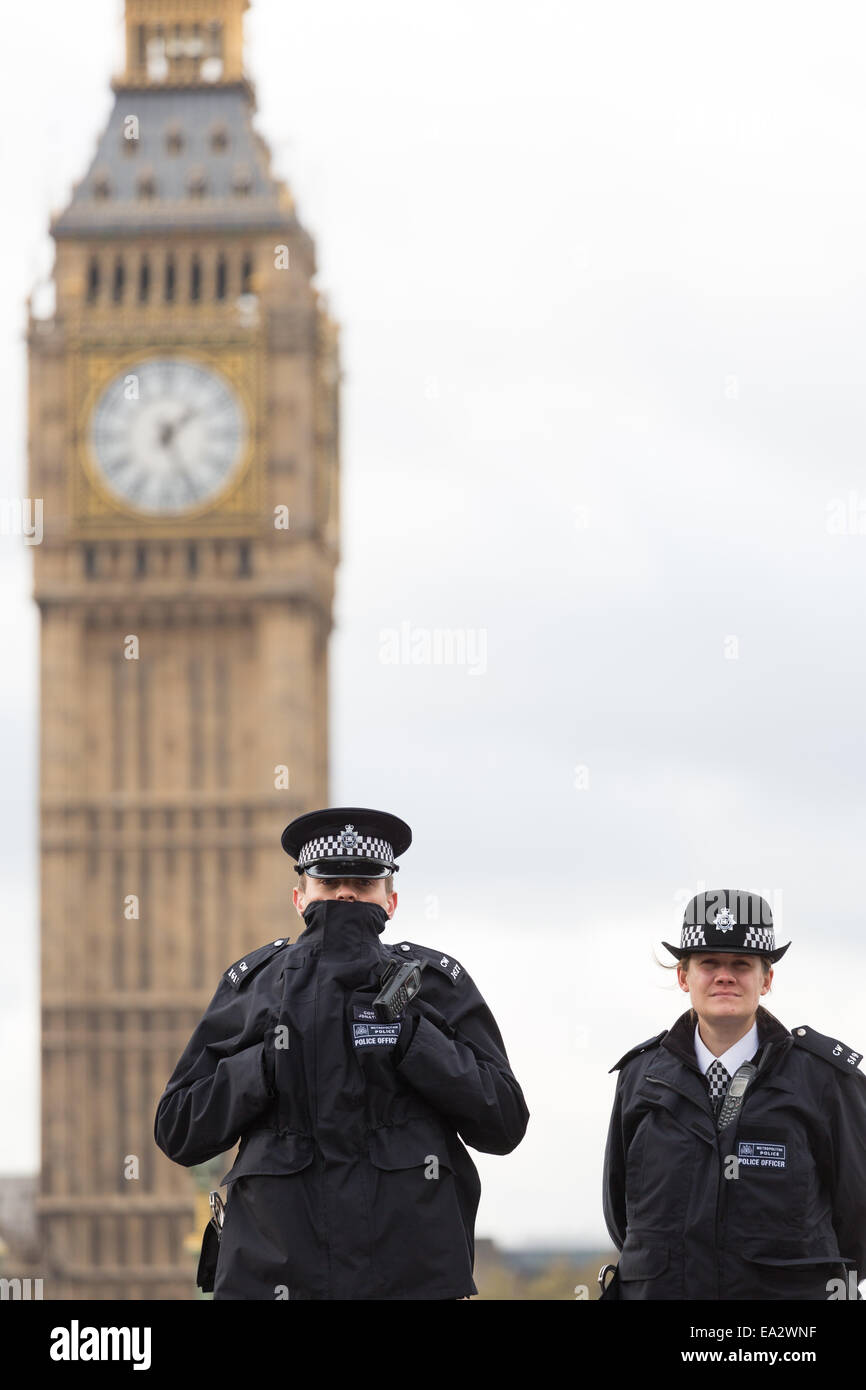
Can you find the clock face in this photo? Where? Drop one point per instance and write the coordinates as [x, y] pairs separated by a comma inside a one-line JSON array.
[[167, 435]]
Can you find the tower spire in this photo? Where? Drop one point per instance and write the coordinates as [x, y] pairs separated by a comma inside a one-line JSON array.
[[183, 42]]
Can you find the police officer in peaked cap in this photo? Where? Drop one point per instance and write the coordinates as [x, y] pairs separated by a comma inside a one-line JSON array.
[[354, 1071], [735, 1165]]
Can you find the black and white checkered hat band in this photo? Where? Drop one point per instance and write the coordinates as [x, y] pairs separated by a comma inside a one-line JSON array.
[[760, 937], [335, 847], [693, 936]]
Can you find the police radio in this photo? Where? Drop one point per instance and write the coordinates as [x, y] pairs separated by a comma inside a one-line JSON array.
[[400, 983], [734, 1095]]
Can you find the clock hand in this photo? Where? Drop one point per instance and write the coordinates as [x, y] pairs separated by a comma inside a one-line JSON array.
[[188, 415], [169, 428], [182, 470]]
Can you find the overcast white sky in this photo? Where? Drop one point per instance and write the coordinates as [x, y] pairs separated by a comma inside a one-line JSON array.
[[600, 275]]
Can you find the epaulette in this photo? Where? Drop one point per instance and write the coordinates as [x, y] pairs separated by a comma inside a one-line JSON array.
[[641, 1047], [842, 1056], [446, 964], [237, 974]]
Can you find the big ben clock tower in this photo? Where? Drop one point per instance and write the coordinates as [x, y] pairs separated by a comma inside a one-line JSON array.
[[184, 441]]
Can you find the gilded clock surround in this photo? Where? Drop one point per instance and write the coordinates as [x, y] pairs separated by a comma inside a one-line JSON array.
[[98, 512]]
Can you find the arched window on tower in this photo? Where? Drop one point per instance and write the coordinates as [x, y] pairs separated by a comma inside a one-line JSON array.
[[195, 279], [247, 274], [93, 280], [168, 284], [118, 281], [221, 277], [144, 280], [157, 62], [212, 67]]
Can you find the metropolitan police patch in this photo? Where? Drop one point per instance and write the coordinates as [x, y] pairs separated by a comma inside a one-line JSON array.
[[759, 1153], [375, 1034]]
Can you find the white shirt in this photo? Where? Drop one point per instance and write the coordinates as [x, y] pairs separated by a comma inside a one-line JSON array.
[[742, 1051]]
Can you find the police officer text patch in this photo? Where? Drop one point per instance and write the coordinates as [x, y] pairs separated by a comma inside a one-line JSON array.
[[375, 1034], [756, 1153]]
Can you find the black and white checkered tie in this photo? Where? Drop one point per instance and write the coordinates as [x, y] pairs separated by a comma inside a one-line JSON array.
[[718, 1080]]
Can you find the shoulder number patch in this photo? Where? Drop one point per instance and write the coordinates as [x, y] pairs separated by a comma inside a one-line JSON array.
[[452, 968], [842, 1056], [243, 969], [447, 965]]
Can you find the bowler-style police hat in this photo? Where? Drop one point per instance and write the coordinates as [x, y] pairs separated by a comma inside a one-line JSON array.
[[728, 920], [346, 842]]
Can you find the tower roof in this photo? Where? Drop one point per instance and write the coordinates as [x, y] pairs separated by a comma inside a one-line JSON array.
[[180, 151], [183, 158]]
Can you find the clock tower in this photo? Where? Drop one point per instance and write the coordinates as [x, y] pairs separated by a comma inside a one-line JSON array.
[[183, 438]]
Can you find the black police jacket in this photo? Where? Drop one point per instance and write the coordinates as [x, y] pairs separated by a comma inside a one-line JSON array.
[[773, 1207], [351, 1181]]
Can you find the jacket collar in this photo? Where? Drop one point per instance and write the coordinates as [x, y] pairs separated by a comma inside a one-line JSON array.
[[680, 1040], [339, 928]]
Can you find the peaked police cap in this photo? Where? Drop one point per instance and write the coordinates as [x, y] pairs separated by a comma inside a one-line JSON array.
[[346, 842]]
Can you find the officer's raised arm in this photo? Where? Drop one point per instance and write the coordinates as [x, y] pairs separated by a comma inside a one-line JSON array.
[[451, 1051], [219, 1084]]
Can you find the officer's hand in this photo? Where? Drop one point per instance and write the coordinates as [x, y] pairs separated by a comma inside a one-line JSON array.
[[374, 1041], [423, 1008]]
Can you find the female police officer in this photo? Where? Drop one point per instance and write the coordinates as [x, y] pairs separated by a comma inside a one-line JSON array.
[[735, 1165]]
